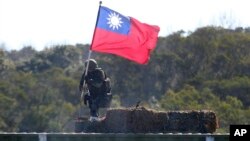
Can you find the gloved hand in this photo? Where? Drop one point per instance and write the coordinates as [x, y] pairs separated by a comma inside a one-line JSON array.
[[81, 88]]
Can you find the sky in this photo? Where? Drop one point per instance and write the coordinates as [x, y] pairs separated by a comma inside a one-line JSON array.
[[45, 23]]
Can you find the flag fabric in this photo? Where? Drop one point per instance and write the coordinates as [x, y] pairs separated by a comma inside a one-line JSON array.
[[124, 36]]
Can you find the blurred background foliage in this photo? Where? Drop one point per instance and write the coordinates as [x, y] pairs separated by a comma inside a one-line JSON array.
[[205, 69]]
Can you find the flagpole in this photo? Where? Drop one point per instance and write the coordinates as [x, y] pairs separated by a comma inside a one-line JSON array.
[[89, 54], [90, 51], [98, 14]]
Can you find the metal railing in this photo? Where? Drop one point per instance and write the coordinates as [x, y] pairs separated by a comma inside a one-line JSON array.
[[6, 136]]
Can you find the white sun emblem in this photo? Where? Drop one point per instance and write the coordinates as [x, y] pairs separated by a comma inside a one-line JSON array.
[[114, 21]]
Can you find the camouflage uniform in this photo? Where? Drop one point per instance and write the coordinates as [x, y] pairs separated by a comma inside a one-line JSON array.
[[96, 81]]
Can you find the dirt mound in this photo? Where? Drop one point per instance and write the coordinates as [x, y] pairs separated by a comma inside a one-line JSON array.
[[142, 120]]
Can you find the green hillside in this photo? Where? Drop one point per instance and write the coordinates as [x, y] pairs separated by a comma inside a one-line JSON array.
[[206, 69]]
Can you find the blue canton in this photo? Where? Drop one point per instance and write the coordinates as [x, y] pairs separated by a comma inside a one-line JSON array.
[[104, 23]]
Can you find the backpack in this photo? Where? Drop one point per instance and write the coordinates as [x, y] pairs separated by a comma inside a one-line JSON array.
[[106, 98]]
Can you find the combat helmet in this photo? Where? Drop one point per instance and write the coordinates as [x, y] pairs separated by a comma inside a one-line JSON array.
[[92, 64]]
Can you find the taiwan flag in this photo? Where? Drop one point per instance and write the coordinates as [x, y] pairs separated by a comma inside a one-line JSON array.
[[124, 36]]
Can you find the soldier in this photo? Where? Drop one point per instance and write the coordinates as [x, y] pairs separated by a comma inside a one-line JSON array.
[[98, 86]]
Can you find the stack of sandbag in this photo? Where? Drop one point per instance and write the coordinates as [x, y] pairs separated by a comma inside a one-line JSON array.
[[142, 120]]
